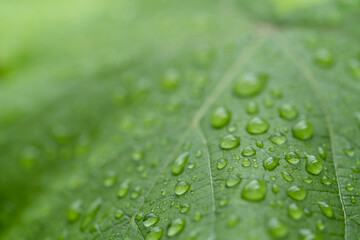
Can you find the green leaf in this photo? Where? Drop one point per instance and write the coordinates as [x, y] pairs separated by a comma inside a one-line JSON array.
[[179, 120]]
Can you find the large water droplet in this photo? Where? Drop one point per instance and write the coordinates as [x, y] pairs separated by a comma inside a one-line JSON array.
[[295, 212], [278, 138], [175, 227], [155, 233], [270, 163], [303, 130], [297, 193], [277, 229], [179, 164], [326, 209], [257, 125], [254, 190], [249, 84], [222, 163], [229, 142], [314, 165], [288, 111], [232, 181], [181, 188], [248, 152], [150, 219], [292, 157], [220, 117]]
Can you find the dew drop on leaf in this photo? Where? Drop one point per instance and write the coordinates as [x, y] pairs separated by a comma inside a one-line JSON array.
[[229, 142], [297, 193], [277, 228], [248, 152], [220, 117], [275, 188], [322, 153], [307, 179], [254, 190], [179, 164], [222, 163], [150, 219], [123, 189], [349, 187], [326, 209], [185, 208], [93, 209], [287, 176], [320, 225], [155, 233], [259, 144], [181, 188], [257, 125], [306, 234], [270, 163], [324, 58], [232, 181], [171, 79], [292, 157], [246, 162], [197, 216], [175, 227], [349, 151], [303, 130], [249, 84], [288, 111], [74, 211], [136, 192], [278, 138], [314, 165], [232, 221], [326, 180], [119, 213], [295, 212], [252, 108]]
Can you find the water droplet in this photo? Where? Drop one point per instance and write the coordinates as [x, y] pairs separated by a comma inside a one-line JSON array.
[[306, 234], [324, 58], [199, 153], [287, 176], [254, 190], [191, 165], [349, 151], [349, 187], [171, 79], [353, 199], [232, 221], [259, 144], [278, 138], [74, 211], [136, 193], [270, 163], [326, 209], [185, 208], [314, 165], [246, 162], [150, 219], [257, 125], [249, 84], [232, 181], [307, 179], [231, 128], [303, 130], [275, 188], [222, 163], [93, 209], [119, 214], [326, 180], [123, 189], [320, 225], [252, 108], [223, 201], [220, 117], [322, 153], [137, 155], [155, 233], [288, 111], [175, 227], [277, 229], [179, 164], [297, 193], [248, 152], [181, 188], [229, 142], [292, 157], [197, 216], [354, 67], [295, 212], [110, 179]]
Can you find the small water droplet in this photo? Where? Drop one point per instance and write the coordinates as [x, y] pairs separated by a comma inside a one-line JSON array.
[[288, 111], [270, 163], [320, 225], [248, 152], [220, 117], [119, 213], [137, 155], [222, 163], [185, 208], [74, 211], [295, 212], [322, 152], [324, 58], [155, 233], [326, 180], [326, 209], [287, 176], [232, 181], [292, 157], [171, 79], [246, 162], [136, 193], [93, 209], [277, 229], [110, 179], [123, 189], [179, 164], [150, 219], [232, 221], [354, 67], [275, 188], [199, 153], [191, 165], [249, 84], [349, 151], [353, 199], [223, 201], [229, 142], [259, 144], [181, 188], [349, 187], [307, 179], [197, 216], [257, 125], [175, 227], [303, 130], [254, 190], [306, 234], [314, 165], [297, 193], [252, 108], [278, 138]]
